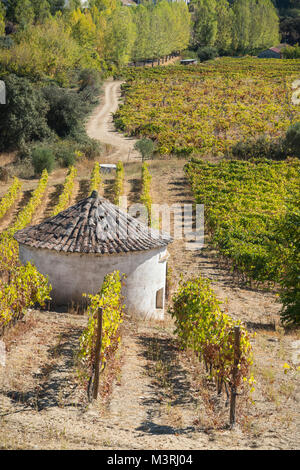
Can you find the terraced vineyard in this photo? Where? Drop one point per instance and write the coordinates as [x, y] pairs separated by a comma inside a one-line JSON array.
[[207, 108], [153, 393], [247, 207]]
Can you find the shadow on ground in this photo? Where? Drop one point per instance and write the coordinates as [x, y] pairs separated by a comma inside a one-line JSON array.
[[84, 187], [55, 383], [135, 190], [170, 383], [53, 200], [182, 189]]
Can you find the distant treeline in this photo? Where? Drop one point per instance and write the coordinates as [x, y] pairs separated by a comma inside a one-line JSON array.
[[236, 26], [49, 38], [43, 38]]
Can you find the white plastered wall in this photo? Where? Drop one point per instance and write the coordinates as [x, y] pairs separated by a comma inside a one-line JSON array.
[[72, 274]]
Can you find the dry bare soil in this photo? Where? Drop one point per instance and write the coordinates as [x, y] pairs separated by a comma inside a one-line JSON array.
[[153, 395]]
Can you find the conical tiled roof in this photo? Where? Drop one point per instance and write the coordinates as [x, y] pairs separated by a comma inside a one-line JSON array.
[[93, 225]]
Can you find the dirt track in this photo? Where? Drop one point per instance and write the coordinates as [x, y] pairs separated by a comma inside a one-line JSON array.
[[101, 126], [157, 401]]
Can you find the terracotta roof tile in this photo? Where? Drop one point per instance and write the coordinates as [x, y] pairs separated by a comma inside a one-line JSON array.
[[93, 225]]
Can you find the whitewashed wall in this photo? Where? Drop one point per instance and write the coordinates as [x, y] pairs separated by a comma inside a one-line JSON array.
[[72, 274]]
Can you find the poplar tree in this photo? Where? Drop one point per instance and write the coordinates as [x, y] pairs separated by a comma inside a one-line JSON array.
[[225, 19], [241, 25], [182, 26], [256, 25], [119, 36], [142, 45], [269, 23], [205, 22]]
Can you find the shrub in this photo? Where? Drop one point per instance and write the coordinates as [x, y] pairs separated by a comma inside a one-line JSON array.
[[207, 53], [259, 148], [91, 148], [292, 139], [66, 157], [119, 183], [43, 158], [291, 52], [66, 196], [111, 301], [96, 178], [4, 174], [90, 86], [6, 42], [23, 117], [25, 169], [145, 195], [65, 109]]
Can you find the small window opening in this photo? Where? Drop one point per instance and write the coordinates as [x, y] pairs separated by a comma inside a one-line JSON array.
[[160, 298]]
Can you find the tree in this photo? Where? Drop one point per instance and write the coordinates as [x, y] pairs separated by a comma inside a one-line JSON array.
[[72, 5], [287, 8], [290, 30], [255, 26], [83, 28], [10, 10], [101, 5], [142, 44], [119, 36], [100, 21], [56, 6], [225, 18], [241, 25], [47, 50], [146, 147], [205, 23], [42, 10], [181, 26], [160, 26], [24, 13], [264, 30], [23, 117], [65, 109]]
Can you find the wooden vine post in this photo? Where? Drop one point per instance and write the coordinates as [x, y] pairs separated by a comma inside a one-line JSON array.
[[237, 337], [97, 353]]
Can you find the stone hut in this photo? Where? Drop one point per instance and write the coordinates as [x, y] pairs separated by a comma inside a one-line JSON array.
[[90, 239]]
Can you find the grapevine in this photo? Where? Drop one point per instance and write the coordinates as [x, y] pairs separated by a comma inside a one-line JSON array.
[[110, 299], [25, 216], [251, 212], [204, 328], [95, 178], [145, 195], [20, 286], [119, 183], [10, 197], [66, 195], [208, 108]]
